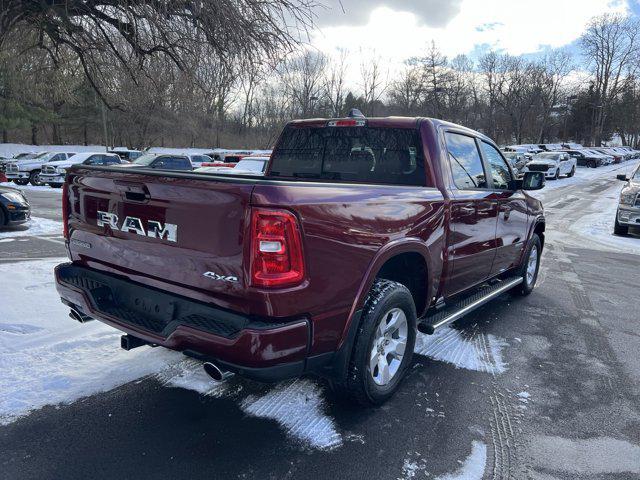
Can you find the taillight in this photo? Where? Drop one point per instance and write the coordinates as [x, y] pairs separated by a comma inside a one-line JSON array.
[[276, 249], [346, 123], [65, 210]]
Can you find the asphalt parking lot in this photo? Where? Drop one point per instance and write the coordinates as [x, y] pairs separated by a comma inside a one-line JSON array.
[[542, 387]]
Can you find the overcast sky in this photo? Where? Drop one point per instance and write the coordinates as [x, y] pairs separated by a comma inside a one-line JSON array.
[[399, 29]]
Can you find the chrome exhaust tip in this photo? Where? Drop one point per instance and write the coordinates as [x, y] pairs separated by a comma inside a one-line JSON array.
[[79, 316], [214, 371]]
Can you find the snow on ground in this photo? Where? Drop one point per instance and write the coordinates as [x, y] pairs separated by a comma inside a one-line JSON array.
[[471, 350], [473, 467], [46, 358], [598, 227], [35, 226], [584, 175], [30, 188], [298, 406]]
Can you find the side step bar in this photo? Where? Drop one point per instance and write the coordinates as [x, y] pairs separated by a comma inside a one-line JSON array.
[[428, 324]]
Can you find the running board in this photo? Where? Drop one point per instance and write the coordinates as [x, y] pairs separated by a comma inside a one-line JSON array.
[[428, 324]]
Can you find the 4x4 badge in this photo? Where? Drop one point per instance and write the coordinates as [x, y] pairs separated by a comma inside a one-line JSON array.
[[223, 278]]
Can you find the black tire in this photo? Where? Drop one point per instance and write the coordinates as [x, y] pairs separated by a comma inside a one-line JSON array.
[[592, 164], [3, 219], [622, 230], [34, 178], [557, 175], [359, 385], [55, 185], [20, 182], [572, 172], [527, 285]]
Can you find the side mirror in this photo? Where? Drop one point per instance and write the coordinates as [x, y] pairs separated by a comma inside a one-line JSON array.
[[532, 181], [622, 176]]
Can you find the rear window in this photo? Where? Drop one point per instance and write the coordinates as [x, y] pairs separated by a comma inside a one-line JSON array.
[[359, 154]]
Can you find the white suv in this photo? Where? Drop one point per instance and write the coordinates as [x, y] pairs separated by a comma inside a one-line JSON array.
[[54, 172], [552, 164]]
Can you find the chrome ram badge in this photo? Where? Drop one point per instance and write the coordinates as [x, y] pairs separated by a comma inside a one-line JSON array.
[[168, 231]]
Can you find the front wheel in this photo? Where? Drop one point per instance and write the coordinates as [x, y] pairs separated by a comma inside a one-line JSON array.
[[592, 164], [383, 348], [55, 185], [530, 267], [20, 182], [34, 178], [572, 172]]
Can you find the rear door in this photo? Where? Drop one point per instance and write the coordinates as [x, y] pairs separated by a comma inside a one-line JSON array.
[[511, 228], [474, 211]]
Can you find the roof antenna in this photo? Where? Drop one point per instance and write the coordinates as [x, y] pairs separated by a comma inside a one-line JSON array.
[[355, 113]]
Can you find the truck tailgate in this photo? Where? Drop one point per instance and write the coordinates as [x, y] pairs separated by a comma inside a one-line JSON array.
[[184, 231]]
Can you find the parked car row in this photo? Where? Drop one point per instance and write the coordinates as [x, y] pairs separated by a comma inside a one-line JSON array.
[[556, 160], [50, 168]]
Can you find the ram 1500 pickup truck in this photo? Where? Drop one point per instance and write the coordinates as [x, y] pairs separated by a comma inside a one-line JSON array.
[[362, 233]]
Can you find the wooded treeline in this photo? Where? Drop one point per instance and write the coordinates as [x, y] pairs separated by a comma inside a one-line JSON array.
[[231, 72]]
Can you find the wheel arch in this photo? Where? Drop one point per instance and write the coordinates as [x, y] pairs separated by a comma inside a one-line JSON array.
[[390, 262]]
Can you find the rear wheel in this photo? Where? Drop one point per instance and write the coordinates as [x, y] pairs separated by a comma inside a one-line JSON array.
[[592, 164], [55, 185], [383, 348], [21, 182], [34, 178], [619, 229], [530, 267]]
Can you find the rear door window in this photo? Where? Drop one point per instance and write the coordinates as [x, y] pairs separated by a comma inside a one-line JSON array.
[[465, 161], [351, 154]]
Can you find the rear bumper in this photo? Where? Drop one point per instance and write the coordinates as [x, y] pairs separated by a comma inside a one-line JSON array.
[[259, 348]]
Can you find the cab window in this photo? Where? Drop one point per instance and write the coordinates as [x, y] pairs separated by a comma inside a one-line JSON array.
[[500, 174]]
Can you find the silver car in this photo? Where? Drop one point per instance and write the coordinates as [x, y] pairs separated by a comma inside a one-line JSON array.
[[628, 214]]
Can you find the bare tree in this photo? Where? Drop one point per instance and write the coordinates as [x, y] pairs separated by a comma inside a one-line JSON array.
[[611, 46], [373, 82]]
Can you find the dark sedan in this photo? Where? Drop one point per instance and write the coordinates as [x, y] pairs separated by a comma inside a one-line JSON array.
[[14, 208]]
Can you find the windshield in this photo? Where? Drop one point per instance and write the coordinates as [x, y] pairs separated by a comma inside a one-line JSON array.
[[547, 156], [362, 154], [145, 159]]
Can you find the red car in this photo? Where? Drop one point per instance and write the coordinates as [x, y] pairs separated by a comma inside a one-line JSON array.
[[361, 233]]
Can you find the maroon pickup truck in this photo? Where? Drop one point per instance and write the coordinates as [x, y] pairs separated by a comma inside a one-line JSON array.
[[361, 233]]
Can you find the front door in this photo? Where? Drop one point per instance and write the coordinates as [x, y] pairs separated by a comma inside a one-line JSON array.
[[511, 228], [474, 211]]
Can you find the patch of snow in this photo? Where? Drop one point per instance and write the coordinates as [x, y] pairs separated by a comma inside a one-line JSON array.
[[46, 358], [464, 349], [190, 375], [35, 226], [524, 395], [598, 227], [410, 468], [298, 406], [30, 188], [473, 467]]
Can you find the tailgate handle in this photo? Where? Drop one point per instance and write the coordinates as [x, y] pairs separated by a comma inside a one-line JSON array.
[[134, 193], [136, 196]]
